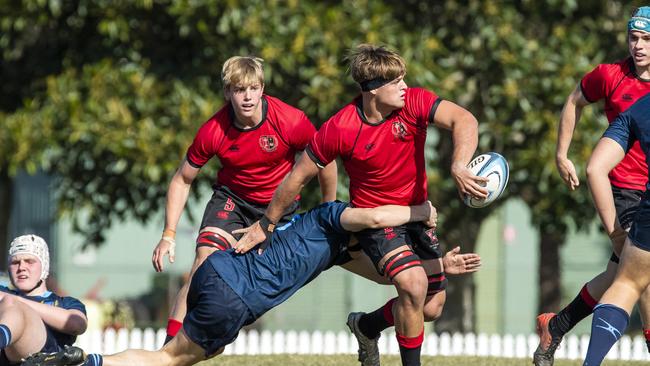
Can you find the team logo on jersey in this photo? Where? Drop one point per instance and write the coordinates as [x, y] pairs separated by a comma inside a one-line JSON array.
[[627, 97], [223, 215], [399, 130], [370, 146], [268, 143]]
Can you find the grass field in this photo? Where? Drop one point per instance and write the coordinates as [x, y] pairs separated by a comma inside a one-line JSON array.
[[300, 360]]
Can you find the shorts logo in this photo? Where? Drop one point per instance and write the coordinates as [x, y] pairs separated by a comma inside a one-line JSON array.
[[399, 130], [431, 234], [390, 234], [223, 215], [230, 205], [268, 143]]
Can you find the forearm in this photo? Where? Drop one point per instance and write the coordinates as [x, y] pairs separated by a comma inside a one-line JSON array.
[[570, 114], [283, 196], [177, 195], [64, 320], [601, 192], [357, 219], [327, 178]]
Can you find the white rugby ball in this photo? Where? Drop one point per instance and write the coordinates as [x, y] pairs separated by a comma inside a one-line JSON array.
[[494, 167]]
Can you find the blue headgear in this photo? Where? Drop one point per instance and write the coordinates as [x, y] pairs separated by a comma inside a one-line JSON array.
[[640, 20]]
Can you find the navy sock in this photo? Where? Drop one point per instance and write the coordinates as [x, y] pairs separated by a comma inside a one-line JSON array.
[[607, 327], [94, 359], [5, 336]]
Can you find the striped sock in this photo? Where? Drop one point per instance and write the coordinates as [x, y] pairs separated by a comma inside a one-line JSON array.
[[5, 336], [94, 359]]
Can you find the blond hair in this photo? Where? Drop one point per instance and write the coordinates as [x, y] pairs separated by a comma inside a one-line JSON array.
[[368, 62], [242, 71]]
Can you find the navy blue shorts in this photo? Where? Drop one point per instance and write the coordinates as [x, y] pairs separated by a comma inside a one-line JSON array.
[[229, 212], [215, 313], [640, 230]]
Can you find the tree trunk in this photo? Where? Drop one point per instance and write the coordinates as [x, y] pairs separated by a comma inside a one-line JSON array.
[[550, 294], [6, 188]]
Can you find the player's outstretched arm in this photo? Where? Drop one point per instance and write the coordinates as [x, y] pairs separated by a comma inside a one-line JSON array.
[[464, 130], [454, 262], [357, 219], [304, 170], [570, 116], [604, 158], [177, 193]]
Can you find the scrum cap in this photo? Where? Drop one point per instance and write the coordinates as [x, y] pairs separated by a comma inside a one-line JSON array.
[[34, 245], [640, 20]]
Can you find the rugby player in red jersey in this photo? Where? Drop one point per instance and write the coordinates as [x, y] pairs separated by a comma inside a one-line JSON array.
[[619, 84], [255, 137], [380, 138]]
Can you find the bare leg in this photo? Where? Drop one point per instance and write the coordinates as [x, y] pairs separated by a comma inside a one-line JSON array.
[[180, 351], [26, 326]]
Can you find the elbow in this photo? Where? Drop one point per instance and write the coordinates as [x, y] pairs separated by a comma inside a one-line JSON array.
[[378, 220], [595, 171], [76, 325]]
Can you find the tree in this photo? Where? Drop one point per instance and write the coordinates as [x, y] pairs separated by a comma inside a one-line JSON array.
[[107, 95]]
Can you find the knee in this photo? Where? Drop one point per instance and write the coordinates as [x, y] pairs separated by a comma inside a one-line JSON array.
[[7, 302], [412, 285]]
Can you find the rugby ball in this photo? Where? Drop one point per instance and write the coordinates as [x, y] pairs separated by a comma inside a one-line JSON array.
[[494, 167]]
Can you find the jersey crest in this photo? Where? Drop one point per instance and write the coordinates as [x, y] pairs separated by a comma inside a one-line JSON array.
[[399, 130], [268, 143]]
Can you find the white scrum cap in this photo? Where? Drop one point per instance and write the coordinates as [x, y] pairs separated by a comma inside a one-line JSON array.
[[34, 245]]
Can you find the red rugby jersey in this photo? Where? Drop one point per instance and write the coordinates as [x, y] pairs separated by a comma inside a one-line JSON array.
[[385, 161], [253, 161], [620, 86]]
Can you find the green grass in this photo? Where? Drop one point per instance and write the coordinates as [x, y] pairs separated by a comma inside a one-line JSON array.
[[338, 360]]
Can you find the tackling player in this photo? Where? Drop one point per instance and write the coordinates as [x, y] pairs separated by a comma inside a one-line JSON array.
[[256, 137], [229, 290], [33, 319], [612, 314], [620, 84], [380, 137]]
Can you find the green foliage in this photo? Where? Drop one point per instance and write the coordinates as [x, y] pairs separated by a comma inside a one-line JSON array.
[[107, 95]]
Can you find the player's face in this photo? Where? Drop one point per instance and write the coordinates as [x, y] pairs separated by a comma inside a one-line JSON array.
[[639, 46], [25, 271], [246, 100], [392, 94]]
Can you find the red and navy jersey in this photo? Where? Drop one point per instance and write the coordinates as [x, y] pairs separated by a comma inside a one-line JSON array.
[[50, 298], [385, 160], [621, 87], [299, 251], [253, 161]]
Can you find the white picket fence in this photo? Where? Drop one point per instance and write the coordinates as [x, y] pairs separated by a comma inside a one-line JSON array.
[[292, 342]]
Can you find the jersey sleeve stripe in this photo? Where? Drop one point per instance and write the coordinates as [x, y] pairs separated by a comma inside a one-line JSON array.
[[313, 157], [582, 90], [193, 164], [433, 110]]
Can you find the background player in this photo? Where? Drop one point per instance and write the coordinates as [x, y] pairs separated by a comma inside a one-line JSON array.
[[380, 137], [620, 84], [256, 137], [33, 319], [229, 291]]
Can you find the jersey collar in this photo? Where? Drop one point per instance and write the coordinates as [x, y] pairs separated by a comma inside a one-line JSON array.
[[265, 108]]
